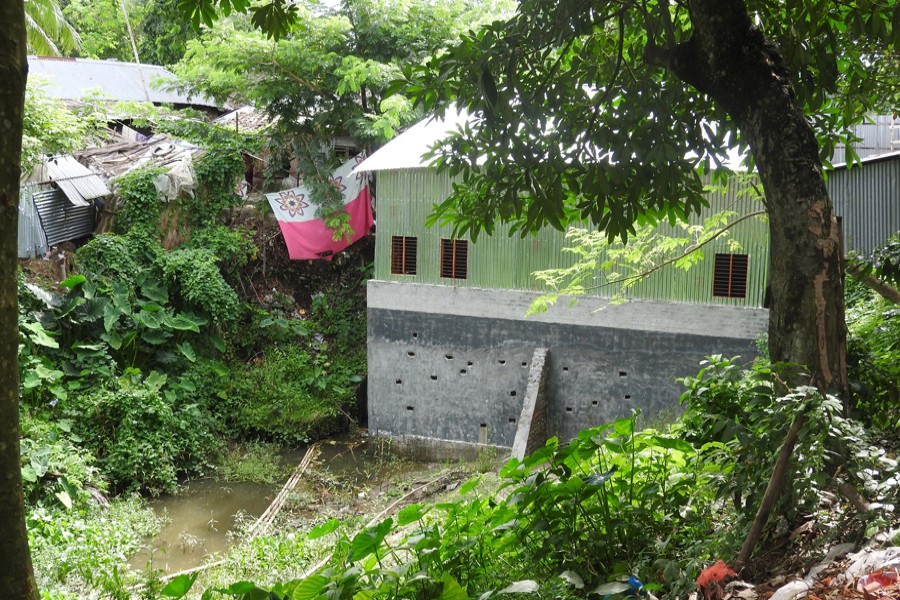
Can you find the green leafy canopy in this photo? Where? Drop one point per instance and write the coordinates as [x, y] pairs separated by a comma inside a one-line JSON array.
[[573, 117]]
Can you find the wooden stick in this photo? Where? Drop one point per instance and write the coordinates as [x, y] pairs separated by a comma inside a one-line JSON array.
[[776, 483]]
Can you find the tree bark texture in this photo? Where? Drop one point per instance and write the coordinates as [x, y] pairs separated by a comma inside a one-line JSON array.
[[16, 574], [730, 59]]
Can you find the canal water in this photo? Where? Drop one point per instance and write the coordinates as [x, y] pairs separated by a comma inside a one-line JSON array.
[[204, 518]]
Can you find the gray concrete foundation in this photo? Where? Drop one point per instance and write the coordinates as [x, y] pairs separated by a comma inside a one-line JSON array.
[[453, 364]]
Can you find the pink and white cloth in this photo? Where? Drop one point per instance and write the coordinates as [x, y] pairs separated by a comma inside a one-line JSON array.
[[306, 236]]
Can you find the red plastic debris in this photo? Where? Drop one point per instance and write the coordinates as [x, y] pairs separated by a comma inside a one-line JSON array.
[[712, 580]]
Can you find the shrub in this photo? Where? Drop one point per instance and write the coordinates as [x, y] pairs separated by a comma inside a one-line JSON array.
[[141, 439], [56, 470], [873, 362], [290, 395]]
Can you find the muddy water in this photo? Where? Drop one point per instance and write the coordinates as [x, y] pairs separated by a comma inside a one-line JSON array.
[[201, 518], [204, 514]]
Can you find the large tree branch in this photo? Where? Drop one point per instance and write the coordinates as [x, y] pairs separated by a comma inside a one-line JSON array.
[[885, 290]]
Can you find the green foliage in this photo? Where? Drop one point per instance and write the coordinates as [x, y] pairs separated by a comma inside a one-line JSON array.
[[291, 395], [141, 439], [117, 257], [587, 115], [51, 128], [139, 206], [56, 470], [46, 29], [650, 249], [164, 33], [102, 26], [325, 80], [193, 273], [77, 553], [740, 420], [873, 362], [258, 462], [613, 503], [884, 262]]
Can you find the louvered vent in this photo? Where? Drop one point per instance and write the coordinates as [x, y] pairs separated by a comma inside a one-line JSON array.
[[454, 258], [730, 277], [403, 255]]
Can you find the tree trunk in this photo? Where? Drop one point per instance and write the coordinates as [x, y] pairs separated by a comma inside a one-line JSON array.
[[730, 59], [16, 574]]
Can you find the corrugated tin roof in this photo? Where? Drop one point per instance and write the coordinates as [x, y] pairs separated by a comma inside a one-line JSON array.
[[871, 159], [72, 78], [75, 180], [405, 151]]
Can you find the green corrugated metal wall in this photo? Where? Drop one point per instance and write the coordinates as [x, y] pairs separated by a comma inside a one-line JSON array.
[[406, 198]]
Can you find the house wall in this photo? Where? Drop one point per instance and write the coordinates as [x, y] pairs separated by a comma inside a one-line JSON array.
[[449, 358], [406, 198], [452, 362], [867, 197]]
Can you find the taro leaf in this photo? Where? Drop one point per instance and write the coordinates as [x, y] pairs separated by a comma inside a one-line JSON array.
[[111, 314], [120, 296], [155, 291], [39, 461], [155, 380], [364, 595], [452, 590], [94, 309], [30, 380], [113, 339], [65, 498], [28, 474], [187, 351], [624, 426], [324, 529], [73, 281], [573, 579], [148, 318], [410, 514], [155, 337], [184, 322], [218, 343], [179, 586], [526, 586], [613, 587], [368, 540], [310, 588], [39, 335]]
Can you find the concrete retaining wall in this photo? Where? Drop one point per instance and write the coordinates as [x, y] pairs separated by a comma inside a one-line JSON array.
[[453, 363]]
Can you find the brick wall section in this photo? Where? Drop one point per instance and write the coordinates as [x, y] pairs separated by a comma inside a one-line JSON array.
[[532, 431]]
